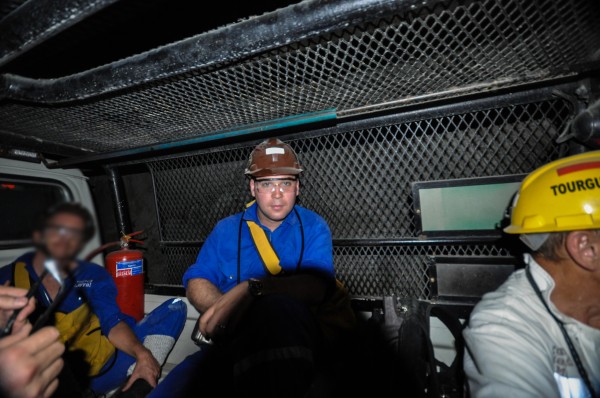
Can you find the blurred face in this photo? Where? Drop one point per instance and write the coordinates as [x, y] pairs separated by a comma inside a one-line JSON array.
[[275, 197], [62, 237]]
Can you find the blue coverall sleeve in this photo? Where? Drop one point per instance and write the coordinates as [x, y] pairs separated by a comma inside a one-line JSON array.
[[318, 251], [206, 265], [102, 296]]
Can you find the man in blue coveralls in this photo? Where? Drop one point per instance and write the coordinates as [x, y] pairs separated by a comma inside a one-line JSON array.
[[104, 345], [260, 283]]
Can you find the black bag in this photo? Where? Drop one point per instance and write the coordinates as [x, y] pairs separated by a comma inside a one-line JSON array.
[[432, 378]]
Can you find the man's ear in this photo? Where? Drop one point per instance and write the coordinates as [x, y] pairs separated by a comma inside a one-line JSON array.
[[584, 249], [252, 188]]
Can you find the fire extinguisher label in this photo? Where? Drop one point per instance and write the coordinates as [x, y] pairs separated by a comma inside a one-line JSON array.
[[129, 268]]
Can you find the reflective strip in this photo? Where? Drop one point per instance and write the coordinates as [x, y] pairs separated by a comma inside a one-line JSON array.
[[274, 354], [275, 151], [267, 254]]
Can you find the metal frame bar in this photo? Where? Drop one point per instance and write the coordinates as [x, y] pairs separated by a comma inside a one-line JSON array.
[[121, 207], [458, 239], [464, 92]]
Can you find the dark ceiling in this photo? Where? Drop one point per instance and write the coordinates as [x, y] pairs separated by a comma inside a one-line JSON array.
[[125, 28], [97, 81]]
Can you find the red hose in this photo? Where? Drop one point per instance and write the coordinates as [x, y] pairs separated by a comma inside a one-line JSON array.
[[100, 249], [125, 239]]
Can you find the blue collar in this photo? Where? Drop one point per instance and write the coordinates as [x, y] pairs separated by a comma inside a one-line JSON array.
[[26, 258]]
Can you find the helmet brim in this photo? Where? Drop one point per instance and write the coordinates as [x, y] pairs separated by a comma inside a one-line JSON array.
[[274, 171]]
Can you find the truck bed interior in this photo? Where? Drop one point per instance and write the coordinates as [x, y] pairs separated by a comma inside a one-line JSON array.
[[159, 104]]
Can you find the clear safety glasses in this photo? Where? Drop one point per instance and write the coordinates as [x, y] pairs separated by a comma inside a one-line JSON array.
[[67, 232], [268, 185]]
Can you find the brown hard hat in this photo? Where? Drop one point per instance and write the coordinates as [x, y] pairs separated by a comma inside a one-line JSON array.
[[273, 157]]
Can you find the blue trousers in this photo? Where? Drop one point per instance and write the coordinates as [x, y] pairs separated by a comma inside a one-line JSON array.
[[167, 319]]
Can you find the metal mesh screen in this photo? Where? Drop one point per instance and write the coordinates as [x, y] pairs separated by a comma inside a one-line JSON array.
[[439, 50], [377, 271], [360, 182], [367, 271]]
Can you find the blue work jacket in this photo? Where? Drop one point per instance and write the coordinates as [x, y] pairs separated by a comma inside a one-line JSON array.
[[217, 260], [88, 283]]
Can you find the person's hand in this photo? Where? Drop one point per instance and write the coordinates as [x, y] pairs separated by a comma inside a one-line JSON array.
[[11, 299], [223, 315], [29, 365], [146, 367]]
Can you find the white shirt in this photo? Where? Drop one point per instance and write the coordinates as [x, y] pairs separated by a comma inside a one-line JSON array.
[[514, 348]]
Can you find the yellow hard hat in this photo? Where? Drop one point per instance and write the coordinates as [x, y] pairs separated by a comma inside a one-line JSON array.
[[563, 195]]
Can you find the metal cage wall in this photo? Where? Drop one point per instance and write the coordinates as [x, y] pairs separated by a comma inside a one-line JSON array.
[[358, 178], [450, 75]]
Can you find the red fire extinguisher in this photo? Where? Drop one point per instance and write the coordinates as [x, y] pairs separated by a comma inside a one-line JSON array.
[[126, 266]]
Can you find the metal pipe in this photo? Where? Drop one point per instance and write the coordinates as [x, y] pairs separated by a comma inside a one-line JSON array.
[[456, 93], [117, 191]]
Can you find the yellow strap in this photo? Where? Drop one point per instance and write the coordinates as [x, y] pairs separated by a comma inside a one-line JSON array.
[[21, 276], [80, 331], [267, 254]]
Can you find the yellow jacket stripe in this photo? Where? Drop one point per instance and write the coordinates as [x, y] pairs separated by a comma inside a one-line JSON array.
[[22, 276], [79, 329]]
